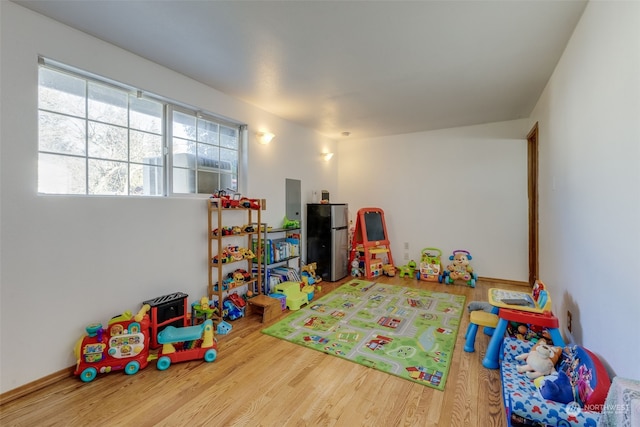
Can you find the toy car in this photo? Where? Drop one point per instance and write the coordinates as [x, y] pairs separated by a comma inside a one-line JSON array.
[[232, 311]]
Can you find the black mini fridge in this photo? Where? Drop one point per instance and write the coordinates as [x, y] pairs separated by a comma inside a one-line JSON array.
[[327, 239]]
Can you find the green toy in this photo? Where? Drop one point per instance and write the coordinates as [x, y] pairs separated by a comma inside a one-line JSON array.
[[290, 223], [408, 270]]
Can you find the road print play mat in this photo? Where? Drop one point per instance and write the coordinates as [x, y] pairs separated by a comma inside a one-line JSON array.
[[403, 331]]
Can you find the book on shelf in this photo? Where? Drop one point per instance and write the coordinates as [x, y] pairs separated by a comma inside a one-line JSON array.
[[278, 250]]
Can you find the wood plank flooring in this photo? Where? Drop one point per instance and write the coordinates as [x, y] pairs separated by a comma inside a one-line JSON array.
[[259, 380]]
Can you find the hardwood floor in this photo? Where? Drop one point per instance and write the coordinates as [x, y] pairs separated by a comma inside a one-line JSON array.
[[259, 380]]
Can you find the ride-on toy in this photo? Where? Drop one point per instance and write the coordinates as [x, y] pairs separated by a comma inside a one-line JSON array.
[[430, 265], [187, 343], [460, 269], [123, 345]]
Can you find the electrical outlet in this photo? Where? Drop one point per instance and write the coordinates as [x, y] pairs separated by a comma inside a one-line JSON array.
[[406, 245], [406, 256], [569, 319]]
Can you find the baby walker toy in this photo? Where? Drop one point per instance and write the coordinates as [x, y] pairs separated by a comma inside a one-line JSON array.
[[460, 269], [123, 345], [430, 265]]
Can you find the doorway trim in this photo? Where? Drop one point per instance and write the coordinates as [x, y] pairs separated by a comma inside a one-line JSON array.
[[532, 191]]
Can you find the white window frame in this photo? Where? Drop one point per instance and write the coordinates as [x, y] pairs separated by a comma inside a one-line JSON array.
[[169, 106], [220, 167]]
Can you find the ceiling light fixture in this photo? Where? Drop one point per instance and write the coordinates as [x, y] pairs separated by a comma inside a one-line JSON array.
[[265, 137]]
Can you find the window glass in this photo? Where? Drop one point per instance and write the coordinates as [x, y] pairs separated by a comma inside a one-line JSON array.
[[108, 105], [145, 115], [61, 92], [108, 142], [62, 134], [211, 154], [62, 174], [108, 178], [145, 148]]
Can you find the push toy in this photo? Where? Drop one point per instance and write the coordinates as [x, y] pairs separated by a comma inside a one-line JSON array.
[[430, 265], [460, 269], [187, 343], [124, 345]]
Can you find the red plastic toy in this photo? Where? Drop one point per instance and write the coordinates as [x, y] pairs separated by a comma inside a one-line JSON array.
[[124, 345], [188, 343]]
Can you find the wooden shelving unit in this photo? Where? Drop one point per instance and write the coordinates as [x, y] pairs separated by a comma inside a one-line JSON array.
[[219, 217]]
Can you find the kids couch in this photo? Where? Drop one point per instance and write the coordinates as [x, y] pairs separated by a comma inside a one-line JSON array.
[[524, 403]]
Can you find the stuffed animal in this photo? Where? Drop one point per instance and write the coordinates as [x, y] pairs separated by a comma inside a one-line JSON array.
[[557, 388], [540, 360], [460, 268], [355, 268]]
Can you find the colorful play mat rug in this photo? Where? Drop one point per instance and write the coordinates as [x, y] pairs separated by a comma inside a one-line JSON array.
[[405, 332]]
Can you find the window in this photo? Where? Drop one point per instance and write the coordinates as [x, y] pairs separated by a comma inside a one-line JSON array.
[[205, 153], [101, 138]]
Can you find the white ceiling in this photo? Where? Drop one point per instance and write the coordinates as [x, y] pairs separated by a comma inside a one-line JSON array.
[[372, 68]]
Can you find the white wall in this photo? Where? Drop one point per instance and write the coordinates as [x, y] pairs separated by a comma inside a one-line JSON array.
[[461, 188], [70, 261], [589, 117]]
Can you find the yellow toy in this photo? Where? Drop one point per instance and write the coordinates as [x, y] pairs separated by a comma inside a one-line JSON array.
[[202, 311], [309, 274], [389, 270]]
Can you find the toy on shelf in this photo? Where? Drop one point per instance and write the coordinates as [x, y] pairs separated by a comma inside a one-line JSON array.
[[460, 269], [234, 200], [430, 265], [232, 230], [408, 270], [231, 254], [249, 203], [187, 343], [290, 223], [239, 276], [123, 345]]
